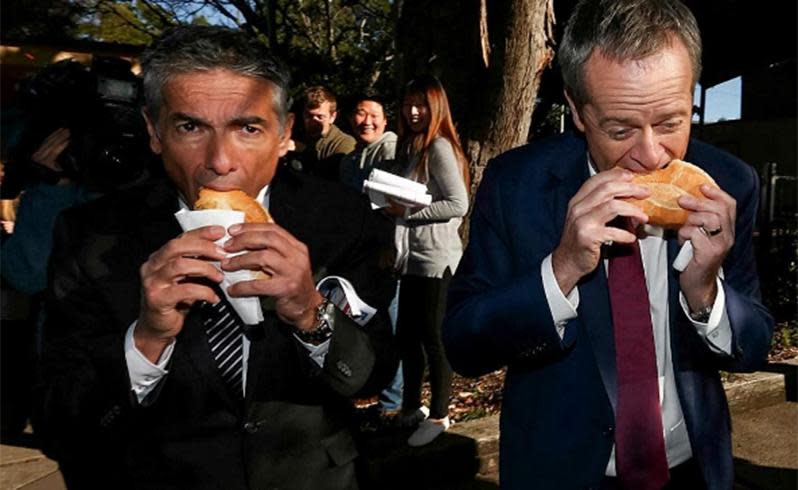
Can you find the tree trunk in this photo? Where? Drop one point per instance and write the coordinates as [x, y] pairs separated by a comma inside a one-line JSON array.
[[492, 105]]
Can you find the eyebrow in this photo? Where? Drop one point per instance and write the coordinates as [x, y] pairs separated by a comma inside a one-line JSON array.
[[247, 120], [237, 121], [628, 121], [182, 116], [610, 120]]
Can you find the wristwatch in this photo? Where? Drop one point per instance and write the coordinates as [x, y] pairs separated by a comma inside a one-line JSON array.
[[323, 329], [702, 315]]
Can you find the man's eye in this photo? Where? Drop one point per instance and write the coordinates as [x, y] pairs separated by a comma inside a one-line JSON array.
[[186, 127], [619, 134], [249, 129], [671, 125]]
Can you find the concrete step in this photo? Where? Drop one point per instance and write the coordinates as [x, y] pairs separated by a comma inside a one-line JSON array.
[[23, 467], [765, 445]]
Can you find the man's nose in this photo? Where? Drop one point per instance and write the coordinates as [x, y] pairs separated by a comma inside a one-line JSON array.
[[414, 110], [648, 152], [220, 158]]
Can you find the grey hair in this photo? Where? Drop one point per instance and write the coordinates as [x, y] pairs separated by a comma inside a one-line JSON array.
[[624, 30], [189, 49]]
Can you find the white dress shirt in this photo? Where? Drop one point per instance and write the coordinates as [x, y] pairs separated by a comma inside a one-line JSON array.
[[145, 375], [716, 333]]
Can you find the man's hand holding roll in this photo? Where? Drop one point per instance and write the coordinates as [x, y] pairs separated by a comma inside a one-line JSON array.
[[270, 249], [710, 227], [167, 288]]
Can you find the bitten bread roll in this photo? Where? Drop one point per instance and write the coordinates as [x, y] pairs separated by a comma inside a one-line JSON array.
[[667, 185], [234, 200]]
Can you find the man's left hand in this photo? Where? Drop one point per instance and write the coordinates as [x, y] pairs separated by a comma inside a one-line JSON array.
[[270, 249], [710, 228]]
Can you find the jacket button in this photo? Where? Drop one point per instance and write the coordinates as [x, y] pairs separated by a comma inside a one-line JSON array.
[[251, 428], [607, 430], [344, 368]]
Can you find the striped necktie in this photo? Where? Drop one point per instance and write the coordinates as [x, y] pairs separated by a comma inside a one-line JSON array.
[[225, 338]]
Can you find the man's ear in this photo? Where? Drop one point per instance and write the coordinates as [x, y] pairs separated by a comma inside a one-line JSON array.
[[285, 138], [333, 115], [580, 125], [155, 139]]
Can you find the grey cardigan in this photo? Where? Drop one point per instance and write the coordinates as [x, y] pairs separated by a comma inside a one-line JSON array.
[[427, 239]]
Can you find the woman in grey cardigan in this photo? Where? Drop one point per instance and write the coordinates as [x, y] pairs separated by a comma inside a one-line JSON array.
[[429, 250]]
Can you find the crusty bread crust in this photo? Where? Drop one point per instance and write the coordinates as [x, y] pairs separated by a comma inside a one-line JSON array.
[[667, 185], [234, 200]]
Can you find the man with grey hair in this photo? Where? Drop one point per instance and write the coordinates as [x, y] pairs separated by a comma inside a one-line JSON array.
[[613, 353], [150, 379]]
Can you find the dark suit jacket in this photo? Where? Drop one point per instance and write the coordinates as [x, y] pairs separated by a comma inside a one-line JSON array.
[[290, 432], [558, 411]]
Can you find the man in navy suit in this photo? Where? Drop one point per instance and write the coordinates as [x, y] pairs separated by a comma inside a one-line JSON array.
[[533, 290]]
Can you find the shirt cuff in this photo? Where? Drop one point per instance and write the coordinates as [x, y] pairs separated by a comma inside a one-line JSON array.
[[343, 295], [144, 375], [563, 308], [716, 332], [317, 353]]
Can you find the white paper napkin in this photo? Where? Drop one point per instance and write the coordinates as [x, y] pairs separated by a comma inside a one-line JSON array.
[[381, 185], [248, 308]]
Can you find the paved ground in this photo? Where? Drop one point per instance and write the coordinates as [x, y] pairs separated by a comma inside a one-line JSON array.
[[766, 447]]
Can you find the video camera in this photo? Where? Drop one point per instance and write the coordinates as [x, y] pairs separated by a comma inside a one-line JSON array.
[[108, 146]]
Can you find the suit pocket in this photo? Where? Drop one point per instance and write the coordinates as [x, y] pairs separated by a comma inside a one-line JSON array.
[[340, 447]]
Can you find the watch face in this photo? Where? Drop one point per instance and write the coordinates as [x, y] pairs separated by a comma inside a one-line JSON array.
[[326, 308], [702, 315]]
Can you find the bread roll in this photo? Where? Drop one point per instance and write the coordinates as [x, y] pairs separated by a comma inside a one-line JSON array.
[[234, 200], [667, 185]]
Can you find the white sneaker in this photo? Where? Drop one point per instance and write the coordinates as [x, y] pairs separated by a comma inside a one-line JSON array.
[[427, 431]]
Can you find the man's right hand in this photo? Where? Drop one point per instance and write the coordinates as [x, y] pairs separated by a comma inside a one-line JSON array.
[[592, 207], [168, 291]]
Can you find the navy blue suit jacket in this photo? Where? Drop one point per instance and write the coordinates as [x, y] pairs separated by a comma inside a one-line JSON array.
[[557, 417]]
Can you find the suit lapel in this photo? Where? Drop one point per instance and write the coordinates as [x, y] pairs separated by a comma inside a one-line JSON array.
[[596, 316], [594, 305], [282, 205], [158, 224], [673, 299], [198, 352]]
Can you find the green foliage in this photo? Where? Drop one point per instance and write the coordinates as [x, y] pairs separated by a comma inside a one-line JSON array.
[[346, 45], [130, 23], [43, 19], [789, 334]]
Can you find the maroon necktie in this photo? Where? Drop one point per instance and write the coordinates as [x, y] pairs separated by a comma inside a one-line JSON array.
[[640, 458]]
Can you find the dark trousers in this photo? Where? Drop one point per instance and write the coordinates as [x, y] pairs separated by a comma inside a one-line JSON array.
[[422, 303], [682, 477]]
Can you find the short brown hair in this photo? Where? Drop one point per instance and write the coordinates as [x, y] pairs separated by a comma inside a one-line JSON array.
[[317, 95], [624, 30]]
